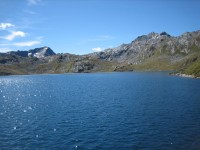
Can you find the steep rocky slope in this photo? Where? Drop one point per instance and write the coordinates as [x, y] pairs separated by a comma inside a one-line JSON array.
[[153, 44]]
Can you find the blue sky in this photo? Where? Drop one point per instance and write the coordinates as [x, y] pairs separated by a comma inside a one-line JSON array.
[[85, 26]]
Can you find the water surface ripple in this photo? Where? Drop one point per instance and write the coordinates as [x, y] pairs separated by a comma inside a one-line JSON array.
[[147, 111]]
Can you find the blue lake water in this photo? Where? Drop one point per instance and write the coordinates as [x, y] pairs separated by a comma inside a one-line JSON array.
[[147, 111]]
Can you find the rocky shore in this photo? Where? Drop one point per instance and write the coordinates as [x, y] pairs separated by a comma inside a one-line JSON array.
[[185, 75]]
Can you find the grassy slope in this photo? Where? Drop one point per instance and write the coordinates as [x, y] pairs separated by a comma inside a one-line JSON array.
[[11, 70], [191, 65]]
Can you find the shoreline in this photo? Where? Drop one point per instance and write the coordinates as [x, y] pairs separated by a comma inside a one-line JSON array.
[[185, 75], [173, 74]]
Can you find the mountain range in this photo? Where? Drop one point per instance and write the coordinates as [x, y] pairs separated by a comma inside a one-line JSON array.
[[152, 52]]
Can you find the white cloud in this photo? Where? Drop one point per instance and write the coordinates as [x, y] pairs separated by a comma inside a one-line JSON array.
[[14, 34], [3, 50], [5, 25], [29, 43], [33, 2], [97, 49]]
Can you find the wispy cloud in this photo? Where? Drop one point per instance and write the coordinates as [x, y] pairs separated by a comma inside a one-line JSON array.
[[4, 46], [3, 26], [39, 38], [33, 2], [29, 12], [3, 50], [9, 39], [28, 43], [97, 49], [13, 35]]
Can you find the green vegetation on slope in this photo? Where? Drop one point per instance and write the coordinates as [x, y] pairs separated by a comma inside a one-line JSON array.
[[191, 65], [11, 70]]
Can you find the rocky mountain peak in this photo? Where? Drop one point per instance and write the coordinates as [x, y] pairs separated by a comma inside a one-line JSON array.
[[41, 52], [37, 52], [165, 34], [146, 46]]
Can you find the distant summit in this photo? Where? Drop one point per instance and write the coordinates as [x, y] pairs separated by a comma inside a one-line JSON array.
[[37, 52], [41, 52], [165, 33]]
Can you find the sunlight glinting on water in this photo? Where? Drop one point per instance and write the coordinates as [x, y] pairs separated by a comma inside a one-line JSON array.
[[81, 111]]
